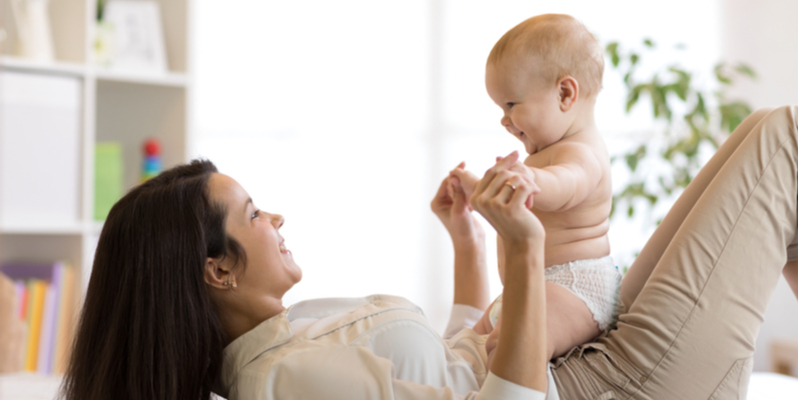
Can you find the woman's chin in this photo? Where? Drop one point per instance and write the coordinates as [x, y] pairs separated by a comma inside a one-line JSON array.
[[295, 272]]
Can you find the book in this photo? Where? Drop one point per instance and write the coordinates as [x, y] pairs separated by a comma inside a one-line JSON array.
[[44, 363], [64, 322], [107, 177], [46, 294], [38, 289]]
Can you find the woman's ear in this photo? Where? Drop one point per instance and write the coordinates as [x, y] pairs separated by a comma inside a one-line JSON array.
[[568, 91], [215, 274]]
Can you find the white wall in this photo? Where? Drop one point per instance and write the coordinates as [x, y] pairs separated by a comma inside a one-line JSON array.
[[763, 34]]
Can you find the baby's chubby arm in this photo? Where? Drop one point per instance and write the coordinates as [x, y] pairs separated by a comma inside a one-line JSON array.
[[574, 172]]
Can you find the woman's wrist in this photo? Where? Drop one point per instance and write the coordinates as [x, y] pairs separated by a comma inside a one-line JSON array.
[[468, 241], [529, 247]]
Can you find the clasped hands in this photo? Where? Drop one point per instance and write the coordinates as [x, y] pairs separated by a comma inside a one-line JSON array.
[[503, 196]]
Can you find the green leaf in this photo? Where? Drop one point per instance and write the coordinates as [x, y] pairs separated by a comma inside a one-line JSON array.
[[630, 211], [721, 76], [744, 69], [612, 49], [633, 96], [634, 58], [649, 43], [700, 108], [658, 97], [732, 114], [632, 159]]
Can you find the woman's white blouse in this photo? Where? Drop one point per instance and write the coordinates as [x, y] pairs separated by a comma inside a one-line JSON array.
[[376, 347]]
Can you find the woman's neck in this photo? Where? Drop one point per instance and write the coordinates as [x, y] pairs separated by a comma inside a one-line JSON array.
[[242, 316]]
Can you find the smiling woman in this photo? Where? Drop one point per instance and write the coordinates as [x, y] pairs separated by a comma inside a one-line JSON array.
[[187, 292], [271, 270]]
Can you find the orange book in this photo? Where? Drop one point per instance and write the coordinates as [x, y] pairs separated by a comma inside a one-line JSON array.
[[66, 318], [35, 324]]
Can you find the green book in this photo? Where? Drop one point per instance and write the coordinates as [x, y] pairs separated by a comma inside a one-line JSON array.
[[107, 177]]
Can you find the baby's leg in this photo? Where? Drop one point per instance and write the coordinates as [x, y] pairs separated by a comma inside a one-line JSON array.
[[569, 320]]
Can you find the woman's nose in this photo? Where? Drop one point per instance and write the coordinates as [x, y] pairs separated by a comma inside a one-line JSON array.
[[277, 220]]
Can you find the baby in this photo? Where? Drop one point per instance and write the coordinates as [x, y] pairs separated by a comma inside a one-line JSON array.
[[545, 74]]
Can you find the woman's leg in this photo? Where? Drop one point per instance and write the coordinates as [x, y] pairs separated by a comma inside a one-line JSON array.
[[647, 259], [689, 332]]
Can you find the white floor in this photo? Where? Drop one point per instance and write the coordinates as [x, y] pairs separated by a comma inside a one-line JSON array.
[[763, 386]]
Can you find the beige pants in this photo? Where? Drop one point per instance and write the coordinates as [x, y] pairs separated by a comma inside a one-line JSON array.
[[696, 295]]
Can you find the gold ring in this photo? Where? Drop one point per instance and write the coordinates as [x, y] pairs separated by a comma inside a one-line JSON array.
[[510, 185]]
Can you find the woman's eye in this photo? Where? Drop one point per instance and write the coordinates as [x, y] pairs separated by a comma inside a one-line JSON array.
[[255, 214]]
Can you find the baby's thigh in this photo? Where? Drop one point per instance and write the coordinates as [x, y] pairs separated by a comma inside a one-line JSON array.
[[569, 320]]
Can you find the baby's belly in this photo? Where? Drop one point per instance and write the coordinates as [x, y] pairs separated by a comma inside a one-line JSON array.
[[563, 245]]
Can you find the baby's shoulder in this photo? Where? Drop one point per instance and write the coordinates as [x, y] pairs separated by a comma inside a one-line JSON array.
[[585, 153]]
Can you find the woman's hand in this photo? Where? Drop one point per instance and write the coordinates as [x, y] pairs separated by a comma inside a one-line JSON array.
[[501, 196], [452, 207], [520, 354]]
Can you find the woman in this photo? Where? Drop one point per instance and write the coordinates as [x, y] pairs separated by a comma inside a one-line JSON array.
[[186, 264]]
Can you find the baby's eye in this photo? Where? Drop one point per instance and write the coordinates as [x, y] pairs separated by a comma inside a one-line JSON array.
[[255, 214], [510, 104]]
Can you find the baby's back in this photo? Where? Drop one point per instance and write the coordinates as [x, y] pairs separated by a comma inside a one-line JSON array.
[[578, 231]]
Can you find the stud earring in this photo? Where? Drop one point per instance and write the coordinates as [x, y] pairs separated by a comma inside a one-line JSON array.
[[230, 283]]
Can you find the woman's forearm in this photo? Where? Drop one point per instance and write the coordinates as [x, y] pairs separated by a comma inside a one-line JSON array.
[[521, 350], [470, 275]]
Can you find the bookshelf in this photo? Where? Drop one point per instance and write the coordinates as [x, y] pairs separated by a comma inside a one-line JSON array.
[[119, 106]]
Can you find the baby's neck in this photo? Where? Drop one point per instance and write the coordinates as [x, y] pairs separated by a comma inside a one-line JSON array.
[[583, 118]]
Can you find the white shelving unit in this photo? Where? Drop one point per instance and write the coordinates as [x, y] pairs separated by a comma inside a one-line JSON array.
[[115, 106]]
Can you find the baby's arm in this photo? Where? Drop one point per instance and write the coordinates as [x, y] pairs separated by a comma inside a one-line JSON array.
[[574, 172]]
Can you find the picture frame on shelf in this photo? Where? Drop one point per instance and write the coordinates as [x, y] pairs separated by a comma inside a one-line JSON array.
[[137, 36]]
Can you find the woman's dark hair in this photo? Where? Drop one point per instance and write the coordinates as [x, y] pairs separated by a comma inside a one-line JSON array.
[[148, 328]]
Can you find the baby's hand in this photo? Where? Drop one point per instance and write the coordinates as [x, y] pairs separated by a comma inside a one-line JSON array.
[[527, 173], [467, 180]]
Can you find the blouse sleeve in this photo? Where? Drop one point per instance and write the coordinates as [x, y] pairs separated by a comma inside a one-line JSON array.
[[353, 372], [462, 316]]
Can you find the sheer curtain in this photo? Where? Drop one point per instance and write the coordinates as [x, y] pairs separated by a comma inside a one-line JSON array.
[[344, 116]]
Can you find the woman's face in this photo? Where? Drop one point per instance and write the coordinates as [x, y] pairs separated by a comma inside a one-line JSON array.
[[270, 270]]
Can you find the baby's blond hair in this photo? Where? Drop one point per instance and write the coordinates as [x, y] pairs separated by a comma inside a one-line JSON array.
[[555, 45]]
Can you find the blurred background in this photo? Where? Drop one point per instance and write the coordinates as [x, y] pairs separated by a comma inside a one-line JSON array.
[[345, 116]]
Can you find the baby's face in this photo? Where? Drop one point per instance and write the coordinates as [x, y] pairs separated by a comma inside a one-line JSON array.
[[531, 109]]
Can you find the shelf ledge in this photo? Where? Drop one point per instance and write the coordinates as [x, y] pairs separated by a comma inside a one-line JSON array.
[[158, 79], [169, 79], [52, 68], [35, 229]]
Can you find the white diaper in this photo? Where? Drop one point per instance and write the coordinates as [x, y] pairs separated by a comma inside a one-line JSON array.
[[595, 281]]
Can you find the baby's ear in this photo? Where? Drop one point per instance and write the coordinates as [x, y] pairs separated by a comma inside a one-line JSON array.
[[568, 91]]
